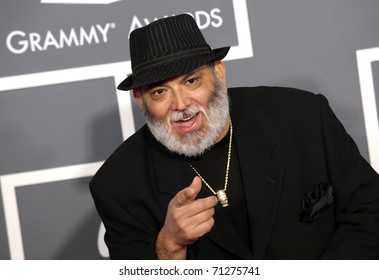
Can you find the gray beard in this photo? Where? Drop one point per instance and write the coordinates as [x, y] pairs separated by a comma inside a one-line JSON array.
[[197, 142]]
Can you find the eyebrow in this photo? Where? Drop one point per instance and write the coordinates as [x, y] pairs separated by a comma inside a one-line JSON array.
[[187, 75], [182, 79]]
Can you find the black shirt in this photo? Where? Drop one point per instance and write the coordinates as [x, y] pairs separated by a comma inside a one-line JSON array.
[[212, 167]]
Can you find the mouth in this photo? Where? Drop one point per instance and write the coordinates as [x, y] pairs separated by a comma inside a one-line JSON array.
[[188, 123], [187, 118]]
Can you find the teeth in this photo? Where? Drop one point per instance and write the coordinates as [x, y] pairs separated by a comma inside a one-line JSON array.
[[187, 119]]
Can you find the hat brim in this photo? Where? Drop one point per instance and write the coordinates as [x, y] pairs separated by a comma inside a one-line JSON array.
[[172, 68]]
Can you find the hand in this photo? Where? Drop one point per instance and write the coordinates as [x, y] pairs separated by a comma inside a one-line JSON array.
[[187, 219]]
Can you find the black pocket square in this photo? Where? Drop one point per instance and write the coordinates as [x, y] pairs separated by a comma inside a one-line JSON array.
[[316, 201]]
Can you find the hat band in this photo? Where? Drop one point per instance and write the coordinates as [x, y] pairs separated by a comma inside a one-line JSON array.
[[165, 59]]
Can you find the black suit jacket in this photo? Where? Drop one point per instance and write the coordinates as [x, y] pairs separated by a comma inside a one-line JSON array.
[[289, 143]]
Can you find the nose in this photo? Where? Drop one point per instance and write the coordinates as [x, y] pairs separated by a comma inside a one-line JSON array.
[[180, 100]]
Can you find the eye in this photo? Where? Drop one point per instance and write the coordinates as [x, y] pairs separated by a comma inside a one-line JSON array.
[[156, 93], [192, 81]]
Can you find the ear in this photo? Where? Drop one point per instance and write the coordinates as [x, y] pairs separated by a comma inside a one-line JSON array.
[[137, 94], [221, 72]]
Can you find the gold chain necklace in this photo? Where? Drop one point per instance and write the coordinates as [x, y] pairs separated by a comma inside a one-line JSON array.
[[221, 193]]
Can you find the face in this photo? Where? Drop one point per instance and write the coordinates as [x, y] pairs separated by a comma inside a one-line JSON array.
[[190, 113]]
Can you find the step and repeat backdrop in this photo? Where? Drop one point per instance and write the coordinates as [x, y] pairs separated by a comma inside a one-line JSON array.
[[61, 115]]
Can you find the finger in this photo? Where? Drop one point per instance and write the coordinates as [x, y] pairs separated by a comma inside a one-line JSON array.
[[188, 194], [203, 228], [201, 217], [196, 227], [202, 204], [196, 185], [196, 213]]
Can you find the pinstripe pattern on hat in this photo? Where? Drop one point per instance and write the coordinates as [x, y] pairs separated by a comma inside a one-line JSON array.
[[167, 48]]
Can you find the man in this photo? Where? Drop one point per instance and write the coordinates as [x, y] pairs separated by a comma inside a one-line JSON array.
[[217, 173]]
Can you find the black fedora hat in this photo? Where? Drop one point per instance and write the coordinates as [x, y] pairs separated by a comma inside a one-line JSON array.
[[167, 48]]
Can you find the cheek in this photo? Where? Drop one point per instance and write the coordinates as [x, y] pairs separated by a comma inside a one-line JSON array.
[[159, 111], [206, 98]]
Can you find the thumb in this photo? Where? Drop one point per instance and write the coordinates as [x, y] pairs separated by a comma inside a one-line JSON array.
[[188, 194]]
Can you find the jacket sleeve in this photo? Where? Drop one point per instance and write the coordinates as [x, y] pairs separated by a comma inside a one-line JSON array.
[[127, 235], [356, 192]]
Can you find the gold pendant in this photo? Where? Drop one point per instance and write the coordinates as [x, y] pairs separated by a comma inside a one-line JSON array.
[[222, 198]]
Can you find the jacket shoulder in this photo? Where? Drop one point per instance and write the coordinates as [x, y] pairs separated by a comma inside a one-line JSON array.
[[273, 95], [130, 155], [277, 101]]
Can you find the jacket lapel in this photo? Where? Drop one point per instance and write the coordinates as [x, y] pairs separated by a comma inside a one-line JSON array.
[[261, 179], [225, 234]]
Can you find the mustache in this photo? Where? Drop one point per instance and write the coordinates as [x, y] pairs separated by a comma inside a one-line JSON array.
[[188, 112]]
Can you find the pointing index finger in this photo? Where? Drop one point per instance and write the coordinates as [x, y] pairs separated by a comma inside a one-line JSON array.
[[188, 194]]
